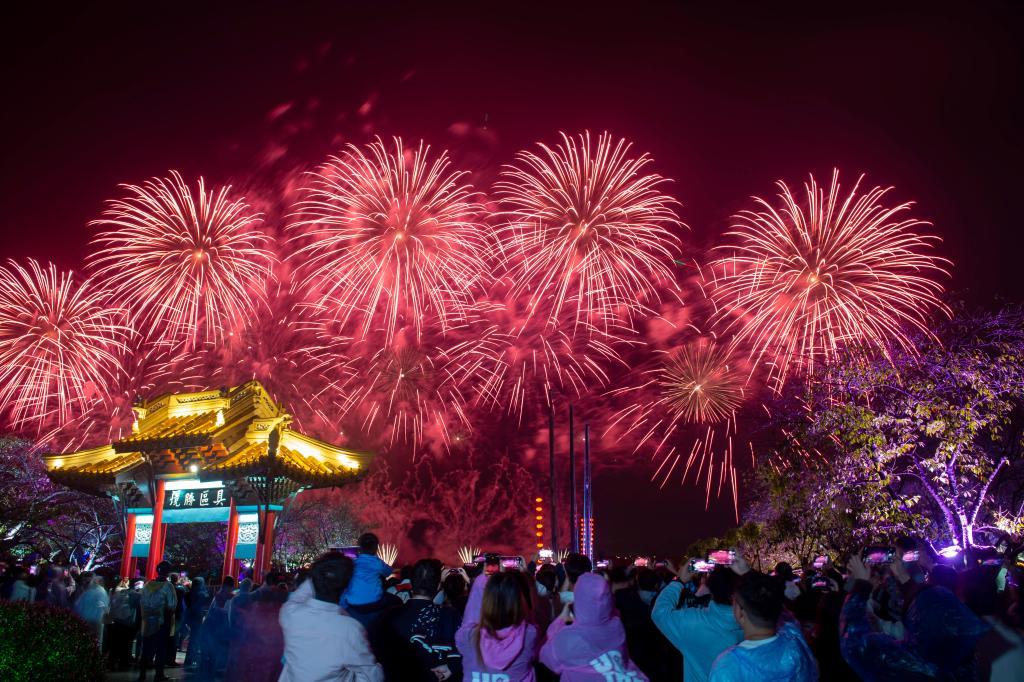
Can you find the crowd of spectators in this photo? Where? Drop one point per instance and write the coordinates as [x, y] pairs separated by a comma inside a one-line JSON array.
[[905, 614]]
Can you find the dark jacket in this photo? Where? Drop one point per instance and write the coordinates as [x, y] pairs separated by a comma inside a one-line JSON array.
[[427, 634]]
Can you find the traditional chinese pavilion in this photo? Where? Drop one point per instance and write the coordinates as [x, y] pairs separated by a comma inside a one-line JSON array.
[[221, 455]]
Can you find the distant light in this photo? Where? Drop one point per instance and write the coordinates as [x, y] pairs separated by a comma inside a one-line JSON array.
[[58, 463], [193, 468], [950, 552], [539, 500]]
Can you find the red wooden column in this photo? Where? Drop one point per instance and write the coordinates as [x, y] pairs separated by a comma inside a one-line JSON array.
[[163, 540], [156, 553], [232, 542], [129, 540], [264, 546]]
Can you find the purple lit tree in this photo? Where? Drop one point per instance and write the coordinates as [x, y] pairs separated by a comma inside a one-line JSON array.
[[934, 434], [42, 517]]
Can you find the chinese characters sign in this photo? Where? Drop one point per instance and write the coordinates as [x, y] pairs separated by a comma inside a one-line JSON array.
[[197, 498]]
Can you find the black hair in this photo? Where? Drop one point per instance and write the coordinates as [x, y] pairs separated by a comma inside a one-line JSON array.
[[944, 576], [229, 581], [331, 574], [368, 543], [454, 586], [646, 579], [721, 583], [273, 578], [426, 577], [548, 577], [761, 597], [978, 590], [163, 568], [784, 571], [618, 575], [576, 565]]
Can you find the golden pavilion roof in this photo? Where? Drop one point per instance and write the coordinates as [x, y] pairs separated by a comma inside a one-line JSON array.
[[213, 435]]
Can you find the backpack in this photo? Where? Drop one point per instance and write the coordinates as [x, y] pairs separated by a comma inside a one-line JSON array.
[[154, 604], [121, 610]]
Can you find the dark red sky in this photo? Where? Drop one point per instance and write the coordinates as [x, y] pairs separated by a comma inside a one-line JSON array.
[[726, 97]]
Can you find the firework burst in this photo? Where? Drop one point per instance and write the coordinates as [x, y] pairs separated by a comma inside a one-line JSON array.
[[390, 238], [517, 368], [299, 358], [190, 264], [587, 232], [691, 397], [807, 282], [400, 391], [699, 384], [59, 345]]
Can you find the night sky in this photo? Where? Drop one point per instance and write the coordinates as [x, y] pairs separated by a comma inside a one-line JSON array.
[[726, 98]]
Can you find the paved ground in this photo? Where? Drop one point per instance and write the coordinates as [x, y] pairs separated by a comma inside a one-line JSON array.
[[132, 675]]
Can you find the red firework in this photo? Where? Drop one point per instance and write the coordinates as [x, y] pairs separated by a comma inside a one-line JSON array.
[[190, 265], [389, 239], [512, 364], [59, 345], [297, 357], [587, 232], [146, 372], [837, 274], [698, 386], [401, 391]]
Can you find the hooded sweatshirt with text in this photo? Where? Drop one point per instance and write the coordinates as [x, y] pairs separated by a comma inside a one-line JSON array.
[[506, 656], [593, 647]]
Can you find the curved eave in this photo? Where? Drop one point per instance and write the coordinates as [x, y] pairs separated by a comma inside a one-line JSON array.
[[283, 468]]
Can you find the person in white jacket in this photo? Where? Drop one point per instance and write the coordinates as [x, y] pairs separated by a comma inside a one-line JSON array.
[[321, 642], [93, 605]]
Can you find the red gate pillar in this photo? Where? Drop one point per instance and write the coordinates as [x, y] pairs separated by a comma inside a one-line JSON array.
[[231, 542], [264, 547], [156, 553], [129, 540]]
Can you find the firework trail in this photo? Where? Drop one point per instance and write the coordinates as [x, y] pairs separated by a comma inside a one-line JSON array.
[[59, 345], [401, 392], [388, 553], [804, 283], [513, 366], [299, 358], [467, 553], [389, 238], [147, 370], [586, 232], [190, 264], [695, 387]]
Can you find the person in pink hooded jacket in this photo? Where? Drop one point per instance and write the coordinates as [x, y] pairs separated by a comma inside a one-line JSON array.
[[587, 642], [497, 641]]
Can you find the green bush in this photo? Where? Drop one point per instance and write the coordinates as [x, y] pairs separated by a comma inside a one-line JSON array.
[[39, 642]]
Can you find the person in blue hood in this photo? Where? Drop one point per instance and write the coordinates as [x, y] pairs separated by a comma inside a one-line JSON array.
[[769, 652], [940, 632]]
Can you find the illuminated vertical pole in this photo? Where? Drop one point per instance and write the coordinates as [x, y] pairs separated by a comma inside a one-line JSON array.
[[553, 476], [588, 520], [539, 525], [573, 516]]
